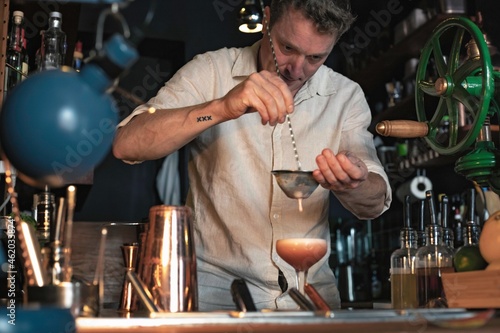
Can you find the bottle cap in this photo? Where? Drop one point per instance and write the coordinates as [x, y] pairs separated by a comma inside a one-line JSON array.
[[55, 14], [18, 16]]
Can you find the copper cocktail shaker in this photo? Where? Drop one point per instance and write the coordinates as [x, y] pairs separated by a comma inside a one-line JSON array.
[[167, 261]]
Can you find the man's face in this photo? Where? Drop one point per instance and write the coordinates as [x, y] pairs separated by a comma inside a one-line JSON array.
[[300, 49]]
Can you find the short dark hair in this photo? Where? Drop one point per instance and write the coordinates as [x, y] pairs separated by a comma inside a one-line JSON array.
[[330, 16]]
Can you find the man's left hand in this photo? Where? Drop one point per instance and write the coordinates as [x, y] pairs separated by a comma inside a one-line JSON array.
[[340, 172]]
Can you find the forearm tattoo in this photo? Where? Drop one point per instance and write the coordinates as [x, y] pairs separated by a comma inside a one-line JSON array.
[[203, 118]]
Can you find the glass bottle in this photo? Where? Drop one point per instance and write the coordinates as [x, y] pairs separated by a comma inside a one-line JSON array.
[[448, 236], [403, 275], [468, 256], [472, 233], [25, 59], [53, 49], [432, 260], [45, 216], [14, 55]]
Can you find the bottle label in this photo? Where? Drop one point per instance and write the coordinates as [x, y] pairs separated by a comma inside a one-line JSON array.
[[24, 70]]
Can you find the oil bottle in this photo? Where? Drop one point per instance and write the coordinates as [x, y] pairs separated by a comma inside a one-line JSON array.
[[432, 260], [468, 257], [403, 275]]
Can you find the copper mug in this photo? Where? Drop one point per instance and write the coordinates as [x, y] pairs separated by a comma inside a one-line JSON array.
[[167, 260]]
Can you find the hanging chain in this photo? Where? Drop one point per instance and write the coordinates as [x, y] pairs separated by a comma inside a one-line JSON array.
[[292, 136]]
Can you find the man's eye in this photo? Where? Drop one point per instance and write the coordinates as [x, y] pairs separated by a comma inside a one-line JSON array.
[[315, 58]]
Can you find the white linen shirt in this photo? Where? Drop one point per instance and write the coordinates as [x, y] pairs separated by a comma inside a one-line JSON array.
[[239, 209]]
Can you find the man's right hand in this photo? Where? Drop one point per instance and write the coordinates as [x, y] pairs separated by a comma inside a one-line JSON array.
[[263, 92]]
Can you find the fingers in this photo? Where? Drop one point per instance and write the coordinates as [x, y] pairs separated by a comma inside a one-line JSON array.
[[341, 171], [264, 93], [273, 99]]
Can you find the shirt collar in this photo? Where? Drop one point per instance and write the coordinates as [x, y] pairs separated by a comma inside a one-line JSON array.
[[323, 82], [246, 62]]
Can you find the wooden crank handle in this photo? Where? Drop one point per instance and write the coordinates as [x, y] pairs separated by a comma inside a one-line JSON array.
[[402, 128]]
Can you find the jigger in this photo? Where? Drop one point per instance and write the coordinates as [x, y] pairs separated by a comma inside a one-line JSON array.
[[130, 253]]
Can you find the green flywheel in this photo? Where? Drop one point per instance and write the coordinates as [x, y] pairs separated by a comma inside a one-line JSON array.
[[459, 83]]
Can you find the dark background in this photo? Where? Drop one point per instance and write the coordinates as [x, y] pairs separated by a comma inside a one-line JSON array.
[[180, 30]]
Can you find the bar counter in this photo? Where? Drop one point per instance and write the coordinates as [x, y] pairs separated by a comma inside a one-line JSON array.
[[109, 320], [421, 320]]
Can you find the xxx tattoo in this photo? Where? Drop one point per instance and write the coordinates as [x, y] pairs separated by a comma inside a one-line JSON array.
[[204, 118]]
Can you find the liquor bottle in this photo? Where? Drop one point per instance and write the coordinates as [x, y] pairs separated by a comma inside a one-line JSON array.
[[45, 216], [53, 49], [78, 57], [25, 59], [448, 237], [14, 55], [403, 274], [432, 260]]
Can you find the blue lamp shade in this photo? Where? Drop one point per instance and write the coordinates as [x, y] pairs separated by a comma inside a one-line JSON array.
[[58, 125]]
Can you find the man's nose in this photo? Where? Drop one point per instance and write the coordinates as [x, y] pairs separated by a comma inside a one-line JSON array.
[[295, 67]]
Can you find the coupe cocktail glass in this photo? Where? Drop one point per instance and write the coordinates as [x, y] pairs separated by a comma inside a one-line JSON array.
[[301, 254]]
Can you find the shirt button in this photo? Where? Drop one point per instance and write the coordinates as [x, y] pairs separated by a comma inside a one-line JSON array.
[[276, 216]]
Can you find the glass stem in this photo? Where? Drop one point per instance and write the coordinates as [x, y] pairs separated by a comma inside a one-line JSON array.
[[301, 280]]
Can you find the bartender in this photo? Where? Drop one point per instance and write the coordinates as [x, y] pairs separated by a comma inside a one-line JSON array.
[[229, 107]]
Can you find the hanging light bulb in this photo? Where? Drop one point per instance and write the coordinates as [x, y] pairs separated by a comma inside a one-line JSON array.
[[250, 17]]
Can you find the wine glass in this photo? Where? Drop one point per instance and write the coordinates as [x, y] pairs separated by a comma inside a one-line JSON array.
[[301, 254]]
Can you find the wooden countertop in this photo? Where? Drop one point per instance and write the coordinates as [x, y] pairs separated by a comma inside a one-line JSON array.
[[421, 320]]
